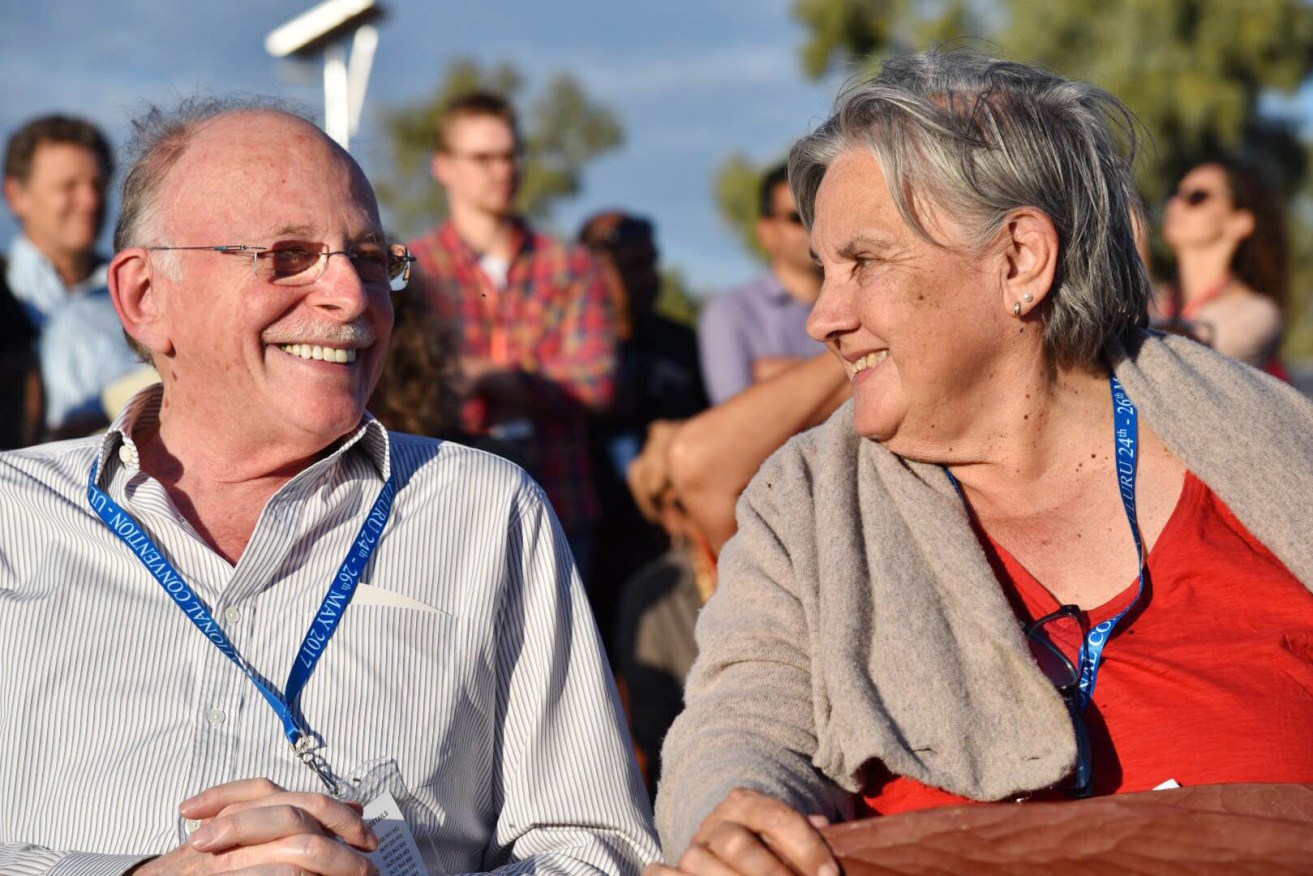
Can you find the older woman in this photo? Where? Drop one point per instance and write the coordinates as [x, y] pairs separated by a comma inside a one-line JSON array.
[[1041, 552], [1228, 232]]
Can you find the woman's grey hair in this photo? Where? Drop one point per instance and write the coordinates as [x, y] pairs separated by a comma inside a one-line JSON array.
[[159, 138], [978, 139]]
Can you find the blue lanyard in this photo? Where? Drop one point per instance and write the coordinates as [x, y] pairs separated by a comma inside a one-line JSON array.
[[335, 602], [1126, 441]]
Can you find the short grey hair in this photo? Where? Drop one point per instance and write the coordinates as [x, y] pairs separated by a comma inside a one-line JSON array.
[[159, 138], [979, 138]]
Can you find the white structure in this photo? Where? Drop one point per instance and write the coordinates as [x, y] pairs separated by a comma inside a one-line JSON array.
[[325, 30]]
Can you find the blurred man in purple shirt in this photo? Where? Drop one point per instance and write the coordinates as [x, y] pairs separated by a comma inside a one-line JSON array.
[[759, 329]]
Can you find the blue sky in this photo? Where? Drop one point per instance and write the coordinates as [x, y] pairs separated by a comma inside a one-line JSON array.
[[691, 80]]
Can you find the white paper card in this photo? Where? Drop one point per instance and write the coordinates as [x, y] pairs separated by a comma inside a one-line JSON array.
[[397, 853]]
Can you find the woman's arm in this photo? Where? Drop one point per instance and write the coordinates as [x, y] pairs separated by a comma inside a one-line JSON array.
[[714, 455], [749, 719]]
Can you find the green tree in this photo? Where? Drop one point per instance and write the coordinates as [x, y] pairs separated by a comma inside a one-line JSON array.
[[674, 301], [561, 128], [1193, 71], [738, 181]]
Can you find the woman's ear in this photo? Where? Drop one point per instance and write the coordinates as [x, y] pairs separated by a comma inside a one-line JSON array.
[[139, 299], [1029, 252], [1241, 225]]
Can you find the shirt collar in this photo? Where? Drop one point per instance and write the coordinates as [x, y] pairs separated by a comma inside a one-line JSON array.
[[35, 282], [144, 409], [520, 240], [773, 290]]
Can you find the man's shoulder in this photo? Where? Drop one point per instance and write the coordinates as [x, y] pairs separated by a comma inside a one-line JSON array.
[[752, 295], [434, 250], [546, 249], [437, 463], [56, 469]]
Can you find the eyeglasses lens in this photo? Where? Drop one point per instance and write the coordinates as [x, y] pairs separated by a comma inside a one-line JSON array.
[[1055, 643], [298, 263]]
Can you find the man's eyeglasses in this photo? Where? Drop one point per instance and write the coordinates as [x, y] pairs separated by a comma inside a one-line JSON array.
[[298, 263], [1192, 197], [1050, 639]]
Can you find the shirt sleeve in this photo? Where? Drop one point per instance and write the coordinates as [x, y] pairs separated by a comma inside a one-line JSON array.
[[19, 859], [82, 351], [722, 349], [567, 788], [748, 719]]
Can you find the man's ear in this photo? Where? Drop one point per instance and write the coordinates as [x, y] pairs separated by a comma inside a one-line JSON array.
[[766, 235], [139, 300], [14, 195], [438, 167], [1029, 260]]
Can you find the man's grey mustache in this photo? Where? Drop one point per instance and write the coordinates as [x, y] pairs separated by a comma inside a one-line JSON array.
[[353, 334]]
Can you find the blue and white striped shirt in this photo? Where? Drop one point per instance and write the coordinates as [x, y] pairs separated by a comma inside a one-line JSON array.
[[468, 655]]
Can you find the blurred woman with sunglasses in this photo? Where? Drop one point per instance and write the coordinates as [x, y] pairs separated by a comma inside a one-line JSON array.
[[1228, 232]]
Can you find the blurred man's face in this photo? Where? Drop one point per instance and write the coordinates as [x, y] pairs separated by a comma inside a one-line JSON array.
[[283, 363], [480, 166], [782, 233], [62, 203]]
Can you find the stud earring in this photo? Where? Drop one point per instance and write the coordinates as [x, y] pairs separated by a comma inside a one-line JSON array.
[[1027, 298], [1016, 309]]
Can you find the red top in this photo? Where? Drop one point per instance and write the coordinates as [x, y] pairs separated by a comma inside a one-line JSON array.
[[1211, 683]]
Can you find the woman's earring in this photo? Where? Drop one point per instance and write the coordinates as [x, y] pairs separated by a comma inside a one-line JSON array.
[[1027, 298], [1016, 309]]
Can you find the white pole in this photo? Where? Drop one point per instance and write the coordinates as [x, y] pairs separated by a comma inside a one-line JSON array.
[[337, 95], [362, 60]]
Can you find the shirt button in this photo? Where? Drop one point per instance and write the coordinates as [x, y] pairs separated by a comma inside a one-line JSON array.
[[128, 455], [232, 615], [192, 825], [216, 717]]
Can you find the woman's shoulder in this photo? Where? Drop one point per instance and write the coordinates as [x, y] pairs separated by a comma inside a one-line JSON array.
[[833, 444], [1242, 300]]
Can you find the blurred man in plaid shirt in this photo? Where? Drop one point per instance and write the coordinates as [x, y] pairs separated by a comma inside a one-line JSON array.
[[538, 333]]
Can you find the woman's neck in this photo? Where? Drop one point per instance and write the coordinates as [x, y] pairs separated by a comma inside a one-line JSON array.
[[1049, 441], [1201, 271]]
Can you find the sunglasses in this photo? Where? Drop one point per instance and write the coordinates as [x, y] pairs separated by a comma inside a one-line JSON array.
[[1050, 639], [793, 217], [1192, 197]]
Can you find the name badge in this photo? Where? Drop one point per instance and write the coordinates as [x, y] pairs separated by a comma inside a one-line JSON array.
[[397, 853], [372, 784]]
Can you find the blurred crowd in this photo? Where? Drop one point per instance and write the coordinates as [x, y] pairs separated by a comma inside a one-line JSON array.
[[643, 431]]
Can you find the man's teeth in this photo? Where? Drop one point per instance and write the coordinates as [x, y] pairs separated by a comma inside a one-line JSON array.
[[870, 360], [313, 351]]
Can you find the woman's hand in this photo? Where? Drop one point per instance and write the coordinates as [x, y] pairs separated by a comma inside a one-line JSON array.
[[755, 835]]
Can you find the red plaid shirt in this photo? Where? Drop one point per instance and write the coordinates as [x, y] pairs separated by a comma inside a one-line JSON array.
[[554, 323]]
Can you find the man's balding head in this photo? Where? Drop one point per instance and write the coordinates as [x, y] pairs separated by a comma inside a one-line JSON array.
[[227, 331]]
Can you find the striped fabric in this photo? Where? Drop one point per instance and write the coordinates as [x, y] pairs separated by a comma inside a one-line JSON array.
[[469, 656]]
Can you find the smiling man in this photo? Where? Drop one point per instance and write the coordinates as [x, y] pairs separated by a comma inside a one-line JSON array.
[[248, 522]]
